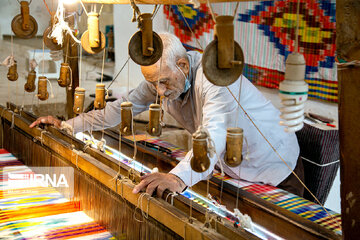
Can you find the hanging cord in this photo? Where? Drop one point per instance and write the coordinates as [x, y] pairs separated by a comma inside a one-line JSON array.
[[133, 133], [103, 65], [172, 195], [47, 7], [128, 81], [158, 82], [2, 127], [136, 11], [123, 66], [281, 158], [145, 214]]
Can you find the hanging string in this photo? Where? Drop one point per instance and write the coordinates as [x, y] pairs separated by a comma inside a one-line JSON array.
[[43, 58], [123, 66], [47, 7], [103, 65], [80, 64], [158, 82], [128, 81]]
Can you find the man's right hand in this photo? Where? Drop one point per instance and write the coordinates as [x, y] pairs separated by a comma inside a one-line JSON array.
[[46, 120]]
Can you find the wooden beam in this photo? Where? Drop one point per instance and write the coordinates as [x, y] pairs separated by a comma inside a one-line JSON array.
[[164, 2], [348, 45]]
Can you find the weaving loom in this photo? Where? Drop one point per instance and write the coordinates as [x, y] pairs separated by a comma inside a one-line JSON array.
[[100, 197]]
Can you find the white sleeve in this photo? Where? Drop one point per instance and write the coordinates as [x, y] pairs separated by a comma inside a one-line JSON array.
[[219, 112], [141, 97]]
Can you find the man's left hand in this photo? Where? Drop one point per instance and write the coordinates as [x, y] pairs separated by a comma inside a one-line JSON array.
[[160, 182]]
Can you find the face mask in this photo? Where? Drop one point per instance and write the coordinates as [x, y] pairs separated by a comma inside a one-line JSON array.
[[187, 83]]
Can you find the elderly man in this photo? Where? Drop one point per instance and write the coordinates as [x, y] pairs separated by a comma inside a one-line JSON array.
[[189, 96]]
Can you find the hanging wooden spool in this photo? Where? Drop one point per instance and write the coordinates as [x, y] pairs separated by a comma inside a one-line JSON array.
[[24, 25], [99, 102], [234, 143], [64, 78], [12, 73], [30, 82], [126, 118], [93, 41], [51, 43], [154, 127], [79, 97], [200, 161], [42, 88], [145, 46], [223, 58]]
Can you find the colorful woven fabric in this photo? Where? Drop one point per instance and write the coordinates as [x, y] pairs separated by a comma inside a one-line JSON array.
[[289, 201], [40, 212], [266, 31]]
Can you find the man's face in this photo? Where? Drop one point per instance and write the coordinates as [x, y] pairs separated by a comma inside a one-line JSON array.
[[171, 82]]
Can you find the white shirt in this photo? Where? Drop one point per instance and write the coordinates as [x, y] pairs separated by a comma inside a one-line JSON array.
[[220, 111]]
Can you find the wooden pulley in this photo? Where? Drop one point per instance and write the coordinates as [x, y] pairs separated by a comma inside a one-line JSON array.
[[42, 88], [79, 98], [30, 82], [93, 40], [223, 58], [99, 102], [126, 118], [24, 25], [64, 78], [154, 127], [145, 46], [12, 73], [200, 161], [234, 143], [51, 43]]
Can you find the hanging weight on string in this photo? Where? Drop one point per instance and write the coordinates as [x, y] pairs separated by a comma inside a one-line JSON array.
[[145, 46], [30, 82], [24, 25], [12, 72], [79, 97], [223, 58], [126, 118], [154, 127], [234, 143], [64, 78], [51, 43], [200, 161], [42, 88], [93, 41], [99, 102]]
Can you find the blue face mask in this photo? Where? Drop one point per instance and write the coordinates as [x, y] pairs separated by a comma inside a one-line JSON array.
[[187, 82]]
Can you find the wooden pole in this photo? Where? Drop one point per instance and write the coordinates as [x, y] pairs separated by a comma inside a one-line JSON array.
[[348, 48], [73, 63]]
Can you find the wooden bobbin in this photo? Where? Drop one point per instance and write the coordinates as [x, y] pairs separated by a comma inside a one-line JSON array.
[[24, 25], [126, 118], [223, 58], [64, 78], [30, 82], [154, 127], [234, 143], [200, 161], [99, 102], [93, 41], [12, 73], [42, 88], [79, 97]]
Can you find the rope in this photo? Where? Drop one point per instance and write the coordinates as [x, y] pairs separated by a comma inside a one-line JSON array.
[[139, 206], [102, 68], [47, 7], [172, 194], [123, 66]]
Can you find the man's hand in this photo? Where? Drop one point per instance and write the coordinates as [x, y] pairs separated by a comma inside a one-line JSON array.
[[160, 182], [46, 120]]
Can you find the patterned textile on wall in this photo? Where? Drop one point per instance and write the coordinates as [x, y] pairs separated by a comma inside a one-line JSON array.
[[266, 32]]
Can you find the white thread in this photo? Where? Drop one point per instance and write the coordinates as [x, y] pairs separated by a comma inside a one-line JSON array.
[[101, 145], [139, 206], [172, 194], [244, 220], [321, 165]]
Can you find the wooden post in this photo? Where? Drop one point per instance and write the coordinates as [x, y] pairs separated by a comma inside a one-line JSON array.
[[348, 48], [73, 63]]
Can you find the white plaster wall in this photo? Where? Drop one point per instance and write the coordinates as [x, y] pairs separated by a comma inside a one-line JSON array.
[[124, 29], [10, 8]]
